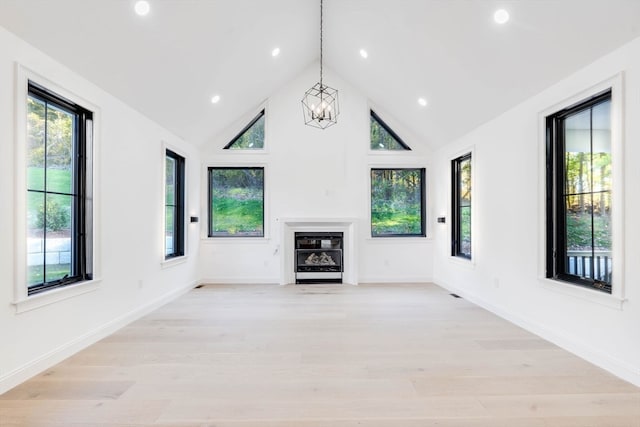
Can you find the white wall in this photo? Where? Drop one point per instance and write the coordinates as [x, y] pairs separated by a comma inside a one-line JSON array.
[[508, 231], [129, 206], [312, 173]]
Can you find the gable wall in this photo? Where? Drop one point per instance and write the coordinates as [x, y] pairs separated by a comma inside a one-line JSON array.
[[313, 173]]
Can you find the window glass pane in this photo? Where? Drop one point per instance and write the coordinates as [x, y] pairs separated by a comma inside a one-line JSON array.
[[465, 183], [58, 242], [35, 238], [602, 236], [602, 147], [169, 230], [577, 134], [237, 202], [59, 152], [381, 139], [35, 143], [252, 138], [578, 223], [396, 202], [602, 127], [465, 230], [601, 172], [170, 181], [578, 152]]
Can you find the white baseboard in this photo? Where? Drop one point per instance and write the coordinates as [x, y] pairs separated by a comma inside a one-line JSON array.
[[395, 279], [57, 355], [597, 357], [239, 281]]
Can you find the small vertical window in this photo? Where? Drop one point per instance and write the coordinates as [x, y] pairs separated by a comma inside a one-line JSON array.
[[383, 137], [397, 202], [174, 205], [461, 206], [59, 191], [251, 137], [579, 183], [236, 202]]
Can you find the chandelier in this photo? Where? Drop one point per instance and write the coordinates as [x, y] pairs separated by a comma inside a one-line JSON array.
[[320, 103]]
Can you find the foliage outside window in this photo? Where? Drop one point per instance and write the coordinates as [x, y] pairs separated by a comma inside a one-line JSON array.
[[383, 137], [461, 209], [236, 202], [174, 205], [579, 183], [251, 137], [58, 191], [397, 202]]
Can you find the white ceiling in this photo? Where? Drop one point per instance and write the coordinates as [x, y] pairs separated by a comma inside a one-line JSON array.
[[168, 64]]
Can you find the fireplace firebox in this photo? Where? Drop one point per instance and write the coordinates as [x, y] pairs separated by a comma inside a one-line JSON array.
[[319, 257]]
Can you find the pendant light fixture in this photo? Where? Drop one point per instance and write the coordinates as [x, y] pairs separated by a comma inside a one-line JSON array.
[[320, 103]]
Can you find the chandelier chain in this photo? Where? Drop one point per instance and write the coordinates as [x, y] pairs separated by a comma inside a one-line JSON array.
[[321, 22]]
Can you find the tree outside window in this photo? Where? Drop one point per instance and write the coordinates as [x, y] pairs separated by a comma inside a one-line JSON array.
[[397, 202]]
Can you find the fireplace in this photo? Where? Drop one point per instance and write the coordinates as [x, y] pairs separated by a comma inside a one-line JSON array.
[[319, 257], [289, 226]]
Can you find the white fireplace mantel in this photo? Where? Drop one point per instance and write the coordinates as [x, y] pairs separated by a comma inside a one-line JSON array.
[[288, 228]]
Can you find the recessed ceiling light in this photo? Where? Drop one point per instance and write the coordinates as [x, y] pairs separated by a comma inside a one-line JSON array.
[[501, 16], [142, 7], [275, 52], [215, 99], [422, 102], [364, 53]]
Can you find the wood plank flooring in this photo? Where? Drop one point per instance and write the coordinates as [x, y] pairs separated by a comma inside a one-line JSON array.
[[319, 356]]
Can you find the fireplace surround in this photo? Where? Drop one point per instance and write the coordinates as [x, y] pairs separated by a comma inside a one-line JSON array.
[[286, 248]]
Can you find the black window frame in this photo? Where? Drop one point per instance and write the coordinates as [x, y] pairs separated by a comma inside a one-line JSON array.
[[456, 207], [394, 135], [423, 204], [210, 170], [179, 205], [242, 132], [556, 247], [81, 219]]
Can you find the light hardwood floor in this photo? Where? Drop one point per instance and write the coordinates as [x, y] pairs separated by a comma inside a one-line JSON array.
[[322, 356]]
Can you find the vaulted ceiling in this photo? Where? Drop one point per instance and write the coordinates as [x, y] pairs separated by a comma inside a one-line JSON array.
[[170, 63]]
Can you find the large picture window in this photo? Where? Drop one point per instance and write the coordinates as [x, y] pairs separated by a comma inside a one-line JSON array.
[[461, 206], [579, 183], [397, 202], [174, 205], [59, 191], [236, 202]]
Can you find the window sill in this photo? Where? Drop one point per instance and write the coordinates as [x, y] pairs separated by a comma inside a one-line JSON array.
[[167, 263], [55, 295], [586, 294]]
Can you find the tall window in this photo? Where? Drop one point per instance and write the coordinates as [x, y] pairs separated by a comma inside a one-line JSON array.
[[251, 137], [59, 191], [579, 193], [461, 206], [383, 137], [236, 202], [397, 202], [174, 205]]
